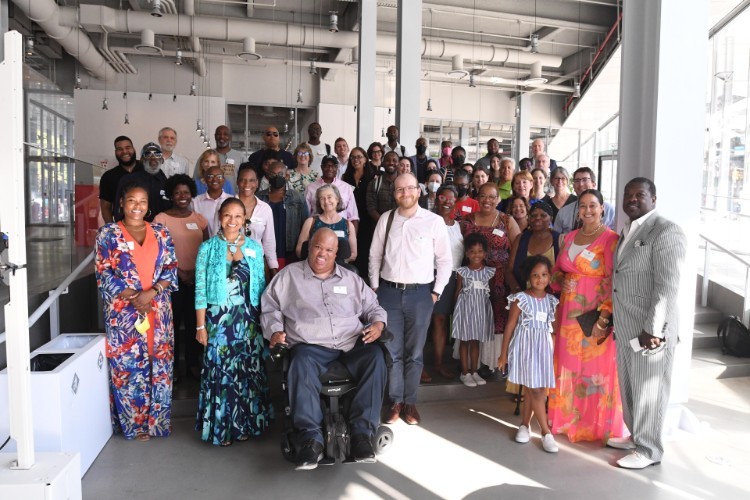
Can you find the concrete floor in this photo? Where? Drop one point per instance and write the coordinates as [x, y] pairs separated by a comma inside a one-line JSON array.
[[464, 449]]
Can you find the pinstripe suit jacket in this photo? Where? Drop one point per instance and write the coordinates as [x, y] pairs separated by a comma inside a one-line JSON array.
[[646, 280]]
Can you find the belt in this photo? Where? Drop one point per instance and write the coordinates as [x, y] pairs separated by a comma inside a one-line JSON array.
[[403, 286]]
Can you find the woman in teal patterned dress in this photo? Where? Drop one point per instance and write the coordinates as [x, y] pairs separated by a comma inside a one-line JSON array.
[[234, 401]]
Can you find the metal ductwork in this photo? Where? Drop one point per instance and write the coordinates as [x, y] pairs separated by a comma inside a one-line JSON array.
[[47, 14]]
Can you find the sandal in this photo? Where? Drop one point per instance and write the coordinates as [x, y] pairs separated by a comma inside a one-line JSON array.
[[225, 444], [243, 438], [142, 437], [425, 378]]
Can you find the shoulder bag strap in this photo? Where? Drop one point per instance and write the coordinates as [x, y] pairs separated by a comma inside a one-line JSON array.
[[385, 238]]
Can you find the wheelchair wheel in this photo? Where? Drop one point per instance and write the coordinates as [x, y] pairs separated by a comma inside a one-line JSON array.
[[287, 449], [383, 440]]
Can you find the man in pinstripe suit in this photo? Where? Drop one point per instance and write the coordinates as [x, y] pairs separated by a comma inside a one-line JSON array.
[[644, 294]]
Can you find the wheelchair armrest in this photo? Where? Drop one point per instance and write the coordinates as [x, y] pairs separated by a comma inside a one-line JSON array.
[[279, 352], [385, 336]]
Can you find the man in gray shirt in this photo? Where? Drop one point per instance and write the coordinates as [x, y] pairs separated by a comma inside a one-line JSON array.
[[567, 218], [317, 309]]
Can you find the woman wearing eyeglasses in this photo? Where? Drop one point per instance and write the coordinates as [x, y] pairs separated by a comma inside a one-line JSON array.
[[358, 174], [302, 176], [375, 154], [209, 158], [208, 203], [560, 179]]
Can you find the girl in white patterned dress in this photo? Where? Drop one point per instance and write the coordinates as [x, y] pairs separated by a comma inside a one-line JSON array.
[[473, 321], [527, 346]]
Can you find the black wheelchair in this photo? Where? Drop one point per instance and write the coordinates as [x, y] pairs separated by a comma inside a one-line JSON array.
[[337, 385]]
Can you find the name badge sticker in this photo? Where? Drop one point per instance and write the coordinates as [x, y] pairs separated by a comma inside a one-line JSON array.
[[192, 226], [339, 234], [249, 252], [257, 220], [498, 232], [131, 245], [541, 316], [466, 209], [230, 161], [588, 255], [340, 290]]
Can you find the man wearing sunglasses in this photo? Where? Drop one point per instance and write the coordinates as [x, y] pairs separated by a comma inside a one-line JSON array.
[[272, 148]]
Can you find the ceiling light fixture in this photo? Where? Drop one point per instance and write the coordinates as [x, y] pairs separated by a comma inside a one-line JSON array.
[[333, 22], [193, 89], [429, 104], [291, 114], [174, 97], [198, 126], [156, 8], [534, 43], [178, 58], [127, 120], [299, 96], [313, 68], [105, 104], [517, 112], [30, 45], [248, 52], [576, 90], [77, 86], [471, 81]]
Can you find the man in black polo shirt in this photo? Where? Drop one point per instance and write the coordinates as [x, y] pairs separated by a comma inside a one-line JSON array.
[[151, 178], [126, 164]]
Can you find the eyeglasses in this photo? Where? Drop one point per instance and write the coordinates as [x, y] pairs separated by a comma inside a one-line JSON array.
[[581, 180], [555, 179], [357, 157], [211, 177], [377, 151], [303, 153], [274, 134], [405, 189], [152, 154]]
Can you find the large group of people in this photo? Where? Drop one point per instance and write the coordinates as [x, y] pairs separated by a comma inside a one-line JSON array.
[[322, 251]]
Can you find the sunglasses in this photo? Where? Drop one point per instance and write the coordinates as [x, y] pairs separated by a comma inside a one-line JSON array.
[[303, 153]]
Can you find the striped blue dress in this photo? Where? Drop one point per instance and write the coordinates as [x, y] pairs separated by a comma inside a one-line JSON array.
[[530, 352], [472, 317]]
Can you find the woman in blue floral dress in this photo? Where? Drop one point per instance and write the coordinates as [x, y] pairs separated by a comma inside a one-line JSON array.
[[234, 401], [136, 270]]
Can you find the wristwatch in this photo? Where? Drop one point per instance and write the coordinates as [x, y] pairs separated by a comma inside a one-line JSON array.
[[436, 295]]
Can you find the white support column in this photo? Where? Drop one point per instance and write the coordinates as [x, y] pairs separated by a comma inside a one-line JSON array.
[[523, 136], [368, 20], [408, 71], [662, 114], [12, 205]]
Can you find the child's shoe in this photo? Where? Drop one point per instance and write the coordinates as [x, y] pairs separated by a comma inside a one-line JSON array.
[[479, 380], [548, 443], [468, 380], [523, 435]]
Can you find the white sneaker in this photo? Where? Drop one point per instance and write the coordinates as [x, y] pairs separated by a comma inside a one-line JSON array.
[[523, 436], [548, 443], [479, 380], [468, 380], [635, 461]]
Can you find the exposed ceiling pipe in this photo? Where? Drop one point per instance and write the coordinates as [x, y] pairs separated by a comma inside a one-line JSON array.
[[47, 14], [101, 18]]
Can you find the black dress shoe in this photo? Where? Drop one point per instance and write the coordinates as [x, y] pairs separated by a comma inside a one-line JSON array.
[[362, 450], [309, 455]]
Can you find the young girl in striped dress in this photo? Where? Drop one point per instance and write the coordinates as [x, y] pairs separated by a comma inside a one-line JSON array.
[[473, 321], [527, 346]]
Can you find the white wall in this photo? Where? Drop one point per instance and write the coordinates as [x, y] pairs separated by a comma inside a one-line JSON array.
[[95, 128]]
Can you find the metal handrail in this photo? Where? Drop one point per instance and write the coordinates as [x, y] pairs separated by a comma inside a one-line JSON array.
[[54, 295], [707, 263]]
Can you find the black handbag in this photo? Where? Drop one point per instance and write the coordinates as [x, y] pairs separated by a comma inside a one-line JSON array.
[[587, 321], [734, 337]]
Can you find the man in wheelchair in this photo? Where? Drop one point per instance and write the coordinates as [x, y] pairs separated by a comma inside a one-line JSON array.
[[324, 313]]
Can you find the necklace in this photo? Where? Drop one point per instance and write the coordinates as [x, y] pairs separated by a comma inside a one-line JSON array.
[[593, 232], [231, 245]]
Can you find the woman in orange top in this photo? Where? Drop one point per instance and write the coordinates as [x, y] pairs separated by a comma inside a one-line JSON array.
[[136, 272]]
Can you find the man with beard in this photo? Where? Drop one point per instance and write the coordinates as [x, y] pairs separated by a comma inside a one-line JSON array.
[[330, 167], [231, 159], [319, 149], [173, 163], [493, 148], [272, 146], [150, 177], [126, 164], [380, 197], [406, 243], [648, 261]]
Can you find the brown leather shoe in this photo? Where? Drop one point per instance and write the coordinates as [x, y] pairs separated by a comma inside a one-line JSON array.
[[410, 414], [393, 414]]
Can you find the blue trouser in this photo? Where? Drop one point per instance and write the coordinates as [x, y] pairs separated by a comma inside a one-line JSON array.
[[409, 312], [366, 363]]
